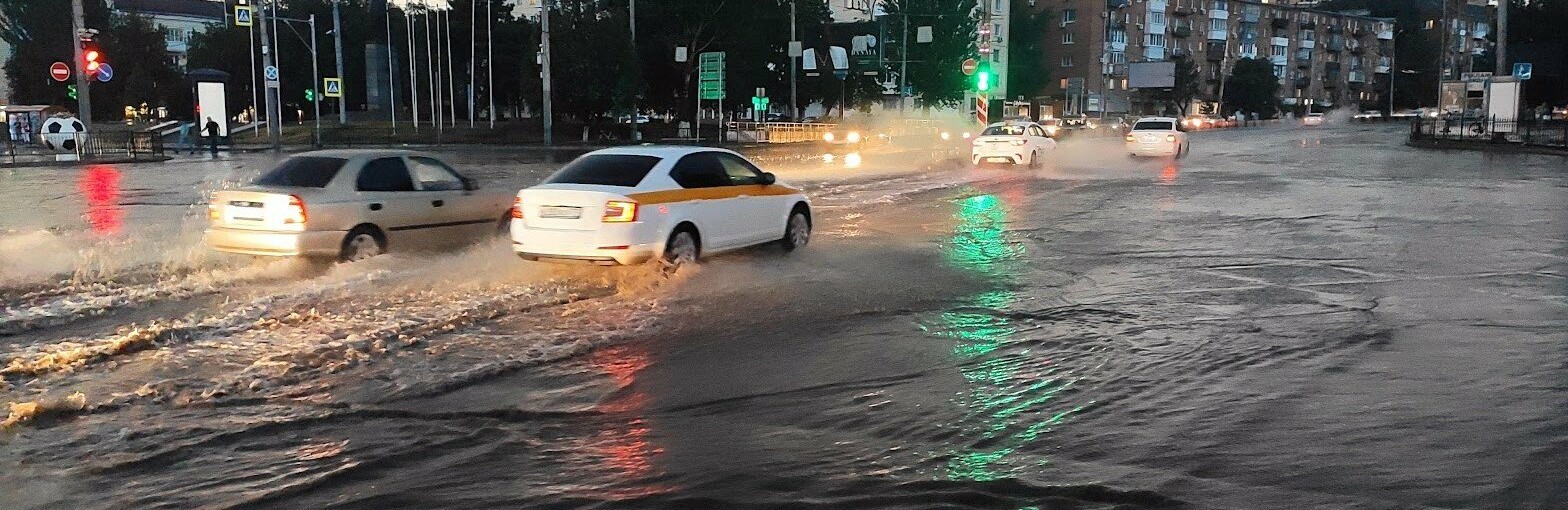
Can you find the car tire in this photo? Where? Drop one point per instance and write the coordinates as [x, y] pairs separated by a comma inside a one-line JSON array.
[[797, 229], [683, 247], [361, 243]]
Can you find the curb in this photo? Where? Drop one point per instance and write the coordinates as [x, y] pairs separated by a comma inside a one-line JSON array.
[[1506, 148]]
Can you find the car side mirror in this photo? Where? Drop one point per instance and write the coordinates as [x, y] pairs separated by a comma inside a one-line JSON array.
[[469, 184], [768, 178]]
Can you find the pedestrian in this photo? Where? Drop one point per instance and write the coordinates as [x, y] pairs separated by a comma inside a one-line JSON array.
[[185, 139], [212, 134], [27, 131]]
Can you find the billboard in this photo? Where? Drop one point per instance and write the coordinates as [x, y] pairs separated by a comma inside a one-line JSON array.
[[1151, 75], [212, 103]]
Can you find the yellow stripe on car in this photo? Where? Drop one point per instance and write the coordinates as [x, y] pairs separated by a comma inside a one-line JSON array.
[[715, 193]]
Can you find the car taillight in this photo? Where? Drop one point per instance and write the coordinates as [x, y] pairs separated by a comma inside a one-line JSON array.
[[1170, 138], [212, 212], [295, 215], [1017, 142], [1131, 138], [517, 208], [619, 211]]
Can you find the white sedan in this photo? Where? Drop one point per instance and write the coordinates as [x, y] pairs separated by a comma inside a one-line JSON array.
[[1312, 119], [629, 205], [1157, 136], [1015, 142]]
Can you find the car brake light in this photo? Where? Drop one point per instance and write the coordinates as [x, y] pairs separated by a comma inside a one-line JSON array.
[[212, 212], [620, 211], [517, 208], [296, 211], [1170, 138]]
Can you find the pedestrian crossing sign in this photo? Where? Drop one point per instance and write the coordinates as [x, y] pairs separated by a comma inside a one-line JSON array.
[[242, 15], [332, 87]]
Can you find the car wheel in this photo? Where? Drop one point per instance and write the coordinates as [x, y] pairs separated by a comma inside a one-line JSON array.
[[797, 230], [681, 249], [360, 244]]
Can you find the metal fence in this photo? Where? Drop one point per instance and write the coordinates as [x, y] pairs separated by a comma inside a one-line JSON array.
[[778, 132], [133, 144], [1531, 132]]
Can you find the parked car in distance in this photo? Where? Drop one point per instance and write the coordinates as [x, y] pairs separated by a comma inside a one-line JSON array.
[[351, 205], [1157, 136], [629, 205], [1369, 115], [1312, 119]]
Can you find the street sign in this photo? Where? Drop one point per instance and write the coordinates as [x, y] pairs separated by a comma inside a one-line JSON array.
[[332, 87], [241, 16], [271, 73], [970, 65], [1474, 76], [710, 74], [1523, 70], [923, 34], [105, 73], [59, 71]]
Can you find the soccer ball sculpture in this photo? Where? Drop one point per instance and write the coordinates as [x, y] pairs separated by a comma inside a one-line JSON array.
[[60, 133]]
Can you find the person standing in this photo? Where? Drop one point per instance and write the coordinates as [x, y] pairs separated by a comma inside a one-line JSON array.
[[212, 136]]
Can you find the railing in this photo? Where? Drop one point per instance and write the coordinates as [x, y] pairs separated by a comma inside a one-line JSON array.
[[779, 132], [134, 144], [1525, 132]]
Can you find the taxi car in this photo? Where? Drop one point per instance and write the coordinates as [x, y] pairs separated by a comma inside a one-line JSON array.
[[352, 205], [629, 205], [1016, 142], [1157, 136]]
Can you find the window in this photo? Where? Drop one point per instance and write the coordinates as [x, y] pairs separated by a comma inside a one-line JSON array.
[[626, 170], [1118, 36], [741, 172], [1279, 71], [1308, 35], [1157, 40], [1217, 25], [1069, 16], [1067, 61], [384, 174], [1067, 37], [1218, 5], [700, 170], [433, 175], [1036, 131], [1154, 125], [1003, 130], [1156, 18], [302, 172], [1278, 50]]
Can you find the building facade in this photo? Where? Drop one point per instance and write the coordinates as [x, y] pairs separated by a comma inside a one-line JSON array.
[[1322, 59]]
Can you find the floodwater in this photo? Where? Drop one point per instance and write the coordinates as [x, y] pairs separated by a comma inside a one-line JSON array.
[[1288, 318]]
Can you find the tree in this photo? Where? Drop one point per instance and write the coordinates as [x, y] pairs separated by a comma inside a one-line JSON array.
[[144, 72], [1179, 97], [937, 76], [39, 32], [1027, 72], [227, 49], [1251, 88]]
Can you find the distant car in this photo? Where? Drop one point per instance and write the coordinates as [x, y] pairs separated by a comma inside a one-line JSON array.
[[1014, 142], [1157, 136], [1368, 115], [641, 119], [353, 205], [629, 205], [1312, 119], [1196, 122], [1405, 115]]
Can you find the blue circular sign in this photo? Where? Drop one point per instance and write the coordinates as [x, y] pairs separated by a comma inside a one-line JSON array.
[[105, 73], [272, 73]]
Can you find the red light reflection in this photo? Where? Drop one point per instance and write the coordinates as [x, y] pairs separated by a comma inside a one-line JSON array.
[[1168, 174], [624, 446], [100, 184]]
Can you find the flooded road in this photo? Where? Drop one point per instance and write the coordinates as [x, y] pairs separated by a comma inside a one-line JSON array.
[[1288, 318]]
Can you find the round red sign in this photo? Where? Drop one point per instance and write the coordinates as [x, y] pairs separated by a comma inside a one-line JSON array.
[[59, 71], [970, 65]]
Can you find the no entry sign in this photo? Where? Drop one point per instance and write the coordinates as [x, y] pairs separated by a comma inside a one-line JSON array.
[[59, 71]]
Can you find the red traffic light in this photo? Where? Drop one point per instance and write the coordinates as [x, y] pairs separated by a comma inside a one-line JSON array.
[[91, 55]]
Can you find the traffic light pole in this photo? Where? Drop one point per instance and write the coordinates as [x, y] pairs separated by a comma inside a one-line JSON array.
[[274, 110], [84, 103], [315, 73], [544, 59], [337, 36]]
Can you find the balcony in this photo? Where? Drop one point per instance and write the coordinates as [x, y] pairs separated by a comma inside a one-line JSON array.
[[1304, 63], [1181, 32], [1382, 69], [1218, 35], [1335, 46], [1386, 34], [1219, 14], [1309, 25], [1157, 5], [1180, 53], [1356, 47], [1303, 82], [1308, 44], [1154, 52], [1116, 4], [1184, 10], [1279, 60], [1280, 23], [1358, 76]]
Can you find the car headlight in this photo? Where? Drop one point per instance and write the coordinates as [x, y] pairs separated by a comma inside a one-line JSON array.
[[852, 160], [853, 137], [827, 137], [947, 135]]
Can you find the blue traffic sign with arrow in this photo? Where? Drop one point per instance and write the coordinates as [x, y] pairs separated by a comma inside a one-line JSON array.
[[105, 73], [1523, 70]]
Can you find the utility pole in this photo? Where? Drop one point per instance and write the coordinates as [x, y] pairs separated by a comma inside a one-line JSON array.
[[274, 110], [903, 67], [473, 53], [544, 59], [255, 97], [1503, 68], [84, 105], [490, 58], [1442, 57], [315, 76], [794, 65], [391, 74], [337, 43], [632, 13]]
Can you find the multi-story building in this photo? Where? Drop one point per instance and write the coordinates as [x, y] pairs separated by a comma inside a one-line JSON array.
[[1322, 59], [1468, 29]]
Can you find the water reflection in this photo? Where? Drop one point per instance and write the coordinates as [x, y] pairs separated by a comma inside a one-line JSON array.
[[1011, 391], [623, 446], [100, 185], [1168, 174]]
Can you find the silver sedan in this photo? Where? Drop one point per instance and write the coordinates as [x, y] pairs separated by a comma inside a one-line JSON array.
[[354, 204]]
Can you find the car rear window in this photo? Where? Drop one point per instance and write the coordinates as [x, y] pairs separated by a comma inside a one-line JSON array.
[[1003, 131], [605, 170], [1153, 126], [302, 172]]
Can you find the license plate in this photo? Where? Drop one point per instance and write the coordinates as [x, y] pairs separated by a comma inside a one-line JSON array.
[[564, 213], [244, 213]]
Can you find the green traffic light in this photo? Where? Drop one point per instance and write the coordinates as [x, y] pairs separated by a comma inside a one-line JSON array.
[[310, 95], [70, 91], [983, 81]]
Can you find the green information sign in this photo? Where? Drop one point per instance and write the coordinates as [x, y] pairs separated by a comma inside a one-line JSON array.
[[710, 75]]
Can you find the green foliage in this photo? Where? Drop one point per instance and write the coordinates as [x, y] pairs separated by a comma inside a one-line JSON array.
[[1027, 74], [936, 76], [1178, 98], [1251, 87], [39, 32]]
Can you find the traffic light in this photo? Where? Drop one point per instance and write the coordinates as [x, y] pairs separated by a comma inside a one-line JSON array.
[[983, 78], [310, 94], [70, 91], [91, 58]]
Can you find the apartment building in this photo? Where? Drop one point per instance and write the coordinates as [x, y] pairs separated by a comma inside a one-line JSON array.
[[1469, 28], [1322, 59]]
